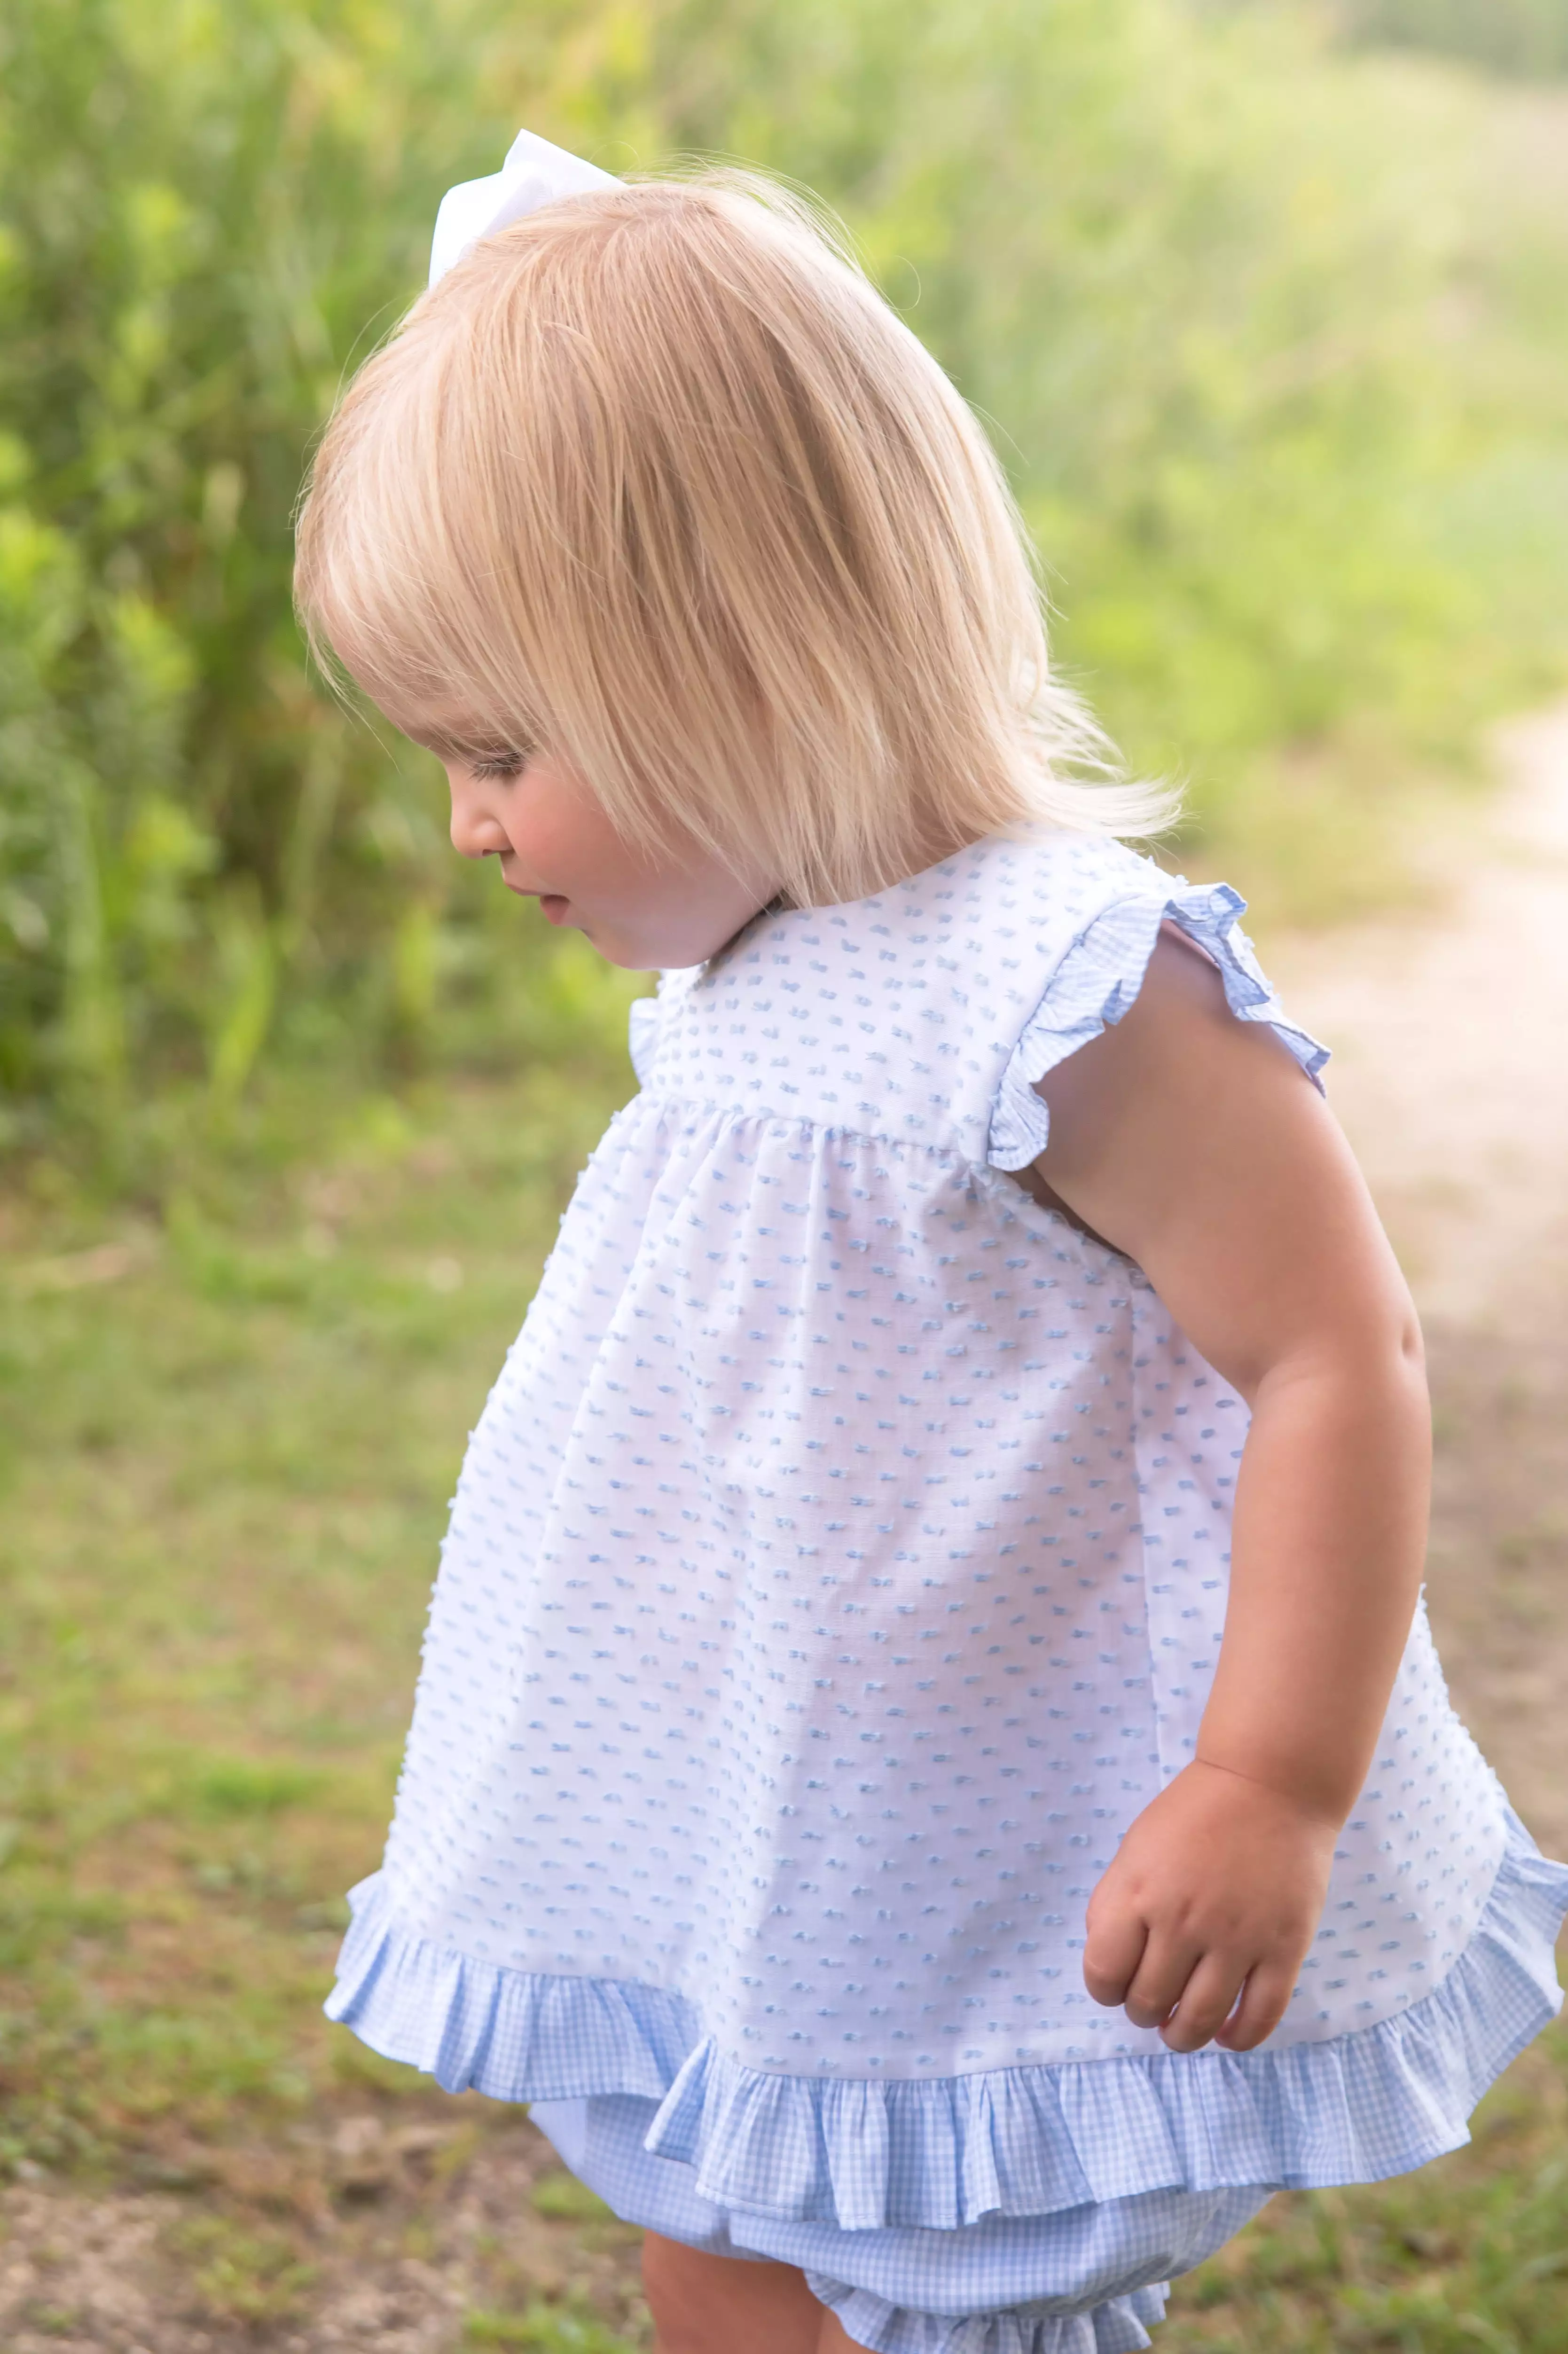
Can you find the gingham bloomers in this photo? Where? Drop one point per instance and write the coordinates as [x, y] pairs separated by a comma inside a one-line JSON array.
[[839, 1565]]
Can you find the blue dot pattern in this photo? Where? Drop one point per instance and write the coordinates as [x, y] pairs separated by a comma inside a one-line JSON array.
[[840, 1564]]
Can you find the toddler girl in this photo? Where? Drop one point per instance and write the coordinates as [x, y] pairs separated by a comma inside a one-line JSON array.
[[929, 1772]]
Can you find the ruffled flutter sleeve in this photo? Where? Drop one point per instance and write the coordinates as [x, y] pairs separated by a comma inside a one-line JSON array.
[[1100, 976]]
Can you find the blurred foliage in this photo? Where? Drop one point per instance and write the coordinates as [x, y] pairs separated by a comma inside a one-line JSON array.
[[1515, 37], [1268, 333]]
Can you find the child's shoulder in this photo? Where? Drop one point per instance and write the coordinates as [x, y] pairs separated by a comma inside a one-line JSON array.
[[1092, 910]]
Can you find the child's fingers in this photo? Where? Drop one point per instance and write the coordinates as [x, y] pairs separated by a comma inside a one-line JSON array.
[[1267, 1990], [1161, 1978], [1206, 2002], [1112, 1950]]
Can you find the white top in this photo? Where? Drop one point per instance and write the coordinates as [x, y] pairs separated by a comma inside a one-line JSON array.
[[840, 1562]]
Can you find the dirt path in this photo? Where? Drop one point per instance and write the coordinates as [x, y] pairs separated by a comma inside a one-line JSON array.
[[1450, 1033]]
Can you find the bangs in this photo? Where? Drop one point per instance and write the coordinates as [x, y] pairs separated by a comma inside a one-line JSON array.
[[392, 568]]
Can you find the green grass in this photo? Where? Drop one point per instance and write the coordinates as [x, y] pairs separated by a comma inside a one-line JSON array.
[[225, 1476], [225, 1479], [1470, 2253]]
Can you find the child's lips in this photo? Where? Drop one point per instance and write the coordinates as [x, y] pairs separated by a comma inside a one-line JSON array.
[[555, 904]]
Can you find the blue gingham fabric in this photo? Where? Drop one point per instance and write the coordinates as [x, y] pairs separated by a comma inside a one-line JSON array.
[[1115, 2327], [941, 2153], [1087, 2280]]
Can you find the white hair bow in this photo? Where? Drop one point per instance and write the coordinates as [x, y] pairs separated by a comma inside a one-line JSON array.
[[533, 174]]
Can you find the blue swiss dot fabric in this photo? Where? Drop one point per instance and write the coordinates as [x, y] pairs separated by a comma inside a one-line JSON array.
[[838, 1566]]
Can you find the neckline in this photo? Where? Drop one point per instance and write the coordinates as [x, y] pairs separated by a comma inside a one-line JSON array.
[[821, 910]]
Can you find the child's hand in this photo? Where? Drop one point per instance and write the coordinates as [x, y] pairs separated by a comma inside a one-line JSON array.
[[1216, 1891]]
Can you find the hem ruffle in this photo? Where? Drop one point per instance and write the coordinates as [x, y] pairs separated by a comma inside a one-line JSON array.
[[868, 2154], [1097, 981], [1118, 2326]]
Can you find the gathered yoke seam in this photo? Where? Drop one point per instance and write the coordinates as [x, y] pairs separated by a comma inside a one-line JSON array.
[[836, 1131], [999, 1185]]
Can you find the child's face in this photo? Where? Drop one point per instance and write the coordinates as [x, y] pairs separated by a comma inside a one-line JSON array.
[[557, 845]]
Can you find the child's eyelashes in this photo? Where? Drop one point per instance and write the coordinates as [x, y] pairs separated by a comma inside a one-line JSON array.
[[490, 767]]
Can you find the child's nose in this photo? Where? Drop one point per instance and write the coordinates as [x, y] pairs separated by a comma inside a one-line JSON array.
[[476, 833]]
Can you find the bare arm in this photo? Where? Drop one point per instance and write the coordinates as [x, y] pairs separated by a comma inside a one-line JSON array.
[[1193, 1143]]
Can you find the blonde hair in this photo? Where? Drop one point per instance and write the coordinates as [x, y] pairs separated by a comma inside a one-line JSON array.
[[656, 479]]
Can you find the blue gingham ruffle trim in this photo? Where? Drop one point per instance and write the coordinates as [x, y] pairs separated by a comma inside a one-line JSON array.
[[1099, 978], [1117, 2326], [868, 2154]]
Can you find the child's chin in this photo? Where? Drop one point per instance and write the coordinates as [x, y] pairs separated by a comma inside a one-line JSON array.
[[613, 949]]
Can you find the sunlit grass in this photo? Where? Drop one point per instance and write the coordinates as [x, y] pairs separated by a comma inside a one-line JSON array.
[[1470, 2253], [226, 1475]]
